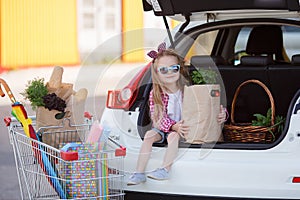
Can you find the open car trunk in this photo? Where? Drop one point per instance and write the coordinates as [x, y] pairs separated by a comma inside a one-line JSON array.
[[212, 10], [219, 170], [191, 7]]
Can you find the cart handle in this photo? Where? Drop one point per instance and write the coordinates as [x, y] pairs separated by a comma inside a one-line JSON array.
[[88, 115], [69, 156], [7, 121], [8, 91], [121, 151]]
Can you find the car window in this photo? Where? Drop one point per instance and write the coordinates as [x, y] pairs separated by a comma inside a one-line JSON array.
[[241, 43], [203, 45], [291, 36]]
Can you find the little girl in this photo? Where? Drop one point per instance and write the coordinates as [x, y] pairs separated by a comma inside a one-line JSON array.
[[165, 102]]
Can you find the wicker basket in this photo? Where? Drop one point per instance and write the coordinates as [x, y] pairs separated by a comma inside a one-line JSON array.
[[245, 132]]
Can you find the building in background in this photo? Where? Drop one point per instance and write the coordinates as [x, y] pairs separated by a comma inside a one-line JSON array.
[[38, 33], [119, 28], [65, 32], [98, 20]]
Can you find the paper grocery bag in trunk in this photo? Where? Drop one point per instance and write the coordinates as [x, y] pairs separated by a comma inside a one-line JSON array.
[[201, 106]]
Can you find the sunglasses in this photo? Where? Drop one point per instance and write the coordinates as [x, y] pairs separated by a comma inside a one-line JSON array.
[[164, 70]]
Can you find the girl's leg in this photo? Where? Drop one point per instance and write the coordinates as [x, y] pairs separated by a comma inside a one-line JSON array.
[[145, 151], [172, 150]]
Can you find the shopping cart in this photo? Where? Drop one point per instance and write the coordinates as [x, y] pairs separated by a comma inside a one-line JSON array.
[[60, 166]]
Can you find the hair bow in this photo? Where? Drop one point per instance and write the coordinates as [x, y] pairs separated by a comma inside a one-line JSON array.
[[161, 48]]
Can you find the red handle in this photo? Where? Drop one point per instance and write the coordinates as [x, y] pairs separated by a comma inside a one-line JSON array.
[[120, 151], [88, 115], [69, 156], [7, 121]]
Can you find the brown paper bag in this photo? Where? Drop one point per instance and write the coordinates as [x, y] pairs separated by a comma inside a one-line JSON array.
[[200, 109], [45, 117], [74, 111], [75, 116]]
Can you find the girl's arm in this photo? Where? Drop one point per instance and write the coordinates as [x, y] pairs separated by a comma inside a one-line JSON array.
[[165, 123]]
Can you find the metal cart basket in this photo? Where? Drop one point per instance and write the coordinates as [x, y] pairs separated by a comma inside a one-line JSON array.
[[60, 166]]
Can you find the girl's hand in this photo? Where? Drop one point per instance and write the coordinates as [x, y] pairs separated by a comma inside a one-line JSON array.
[[223, 115], [180, 128]]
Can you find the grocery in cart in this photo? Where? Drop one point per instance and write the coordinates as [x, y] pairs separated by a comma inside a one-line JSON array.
[[67, 161], [76, 170]]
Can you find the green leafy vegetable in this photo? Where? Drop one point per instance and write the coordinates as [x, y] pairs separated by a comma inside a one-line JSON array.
[[279, 122], [35, 91], [204, 76], [262, 120]]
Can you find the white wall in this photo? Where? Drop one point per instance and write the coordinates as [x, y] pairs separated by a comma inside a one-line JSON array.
[[98, 21], [100, 26]]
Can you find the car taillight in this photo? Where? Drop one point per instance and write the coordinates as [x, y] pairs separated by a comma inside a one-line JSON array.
[[125, 94], [296, 180], [119, 99], [123, 99]]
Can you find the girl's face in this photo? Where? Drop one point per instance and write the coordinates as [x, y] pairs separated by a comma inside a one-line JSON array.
[[171, 76]]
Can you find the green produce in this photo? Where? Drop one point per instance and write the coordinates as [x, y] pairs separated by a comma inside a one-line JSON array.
[[35, 91]]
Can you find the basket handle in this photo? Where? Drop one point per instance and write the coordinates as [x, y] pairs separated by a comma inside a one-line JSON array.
[[266, 90]]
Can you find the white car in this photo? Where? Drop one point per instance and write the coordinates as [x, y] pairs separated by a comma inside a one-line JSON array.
[[243, 40]]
